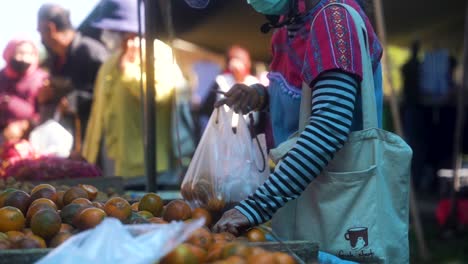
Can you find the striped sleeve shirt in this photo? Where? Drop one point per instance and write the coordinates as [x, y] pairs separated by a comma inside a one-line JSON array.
[[333, 101]]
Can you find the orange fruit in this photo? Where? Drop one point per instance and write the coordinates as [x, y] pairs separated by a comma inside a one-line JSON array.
[[44, 201], [119, 208], [262, 258], [46, 223], [199, 253], [215, 252], [91, 190], [256, 235], [42, 186], [18, 199], [98, 205], [90, 218], [157, 220], [82, 201], [5, 244], [201, 238], [4, 194], [44, 193], [40, 240], [152, 203], [74, 193], [11, 218], [256, 250], [3, 236], [223, 237], [33, 209], [15, 236], [135, 206], [182, 254], [283, 258], [216, 205], [235, 260], [69, 212], [27, 243], [235, 249], [145, 214], [177, 210], [60, 199], [59, 239], [27, 232], [66, 228], [199, 213]]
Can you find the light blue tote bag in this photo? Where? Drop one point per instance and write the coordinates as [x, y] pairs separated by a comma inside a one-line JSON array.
[[358, 208]]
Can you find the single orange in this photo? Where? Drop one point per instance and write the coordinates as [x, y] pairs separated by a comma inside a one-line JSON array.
[[4, 194], [72, 194], [44, 201], [182, 254], [46, 223], [27, 243], [201, 213], [235, 249], [91, 190], [69, 212], [119, 208], [283, 258], [45, 193], [33, 209], [256, 235], [235, 260], [66, 228], [177, 210], [262, 258], [152, 203], [11, 218], [145, 214], [59, 238], [201, 238], [82, 201], [15, 236], [198, 252], [43, 186], [40, 240], [18, 199], [90, 218], [157, 220]]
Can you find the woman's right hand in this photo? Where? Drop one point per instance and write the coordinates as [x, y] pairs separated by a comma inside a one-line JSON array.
[[241, 98]]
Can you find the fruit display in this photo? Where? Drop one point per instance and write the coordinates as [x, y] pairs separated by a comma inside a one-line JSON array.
[[46, 216]]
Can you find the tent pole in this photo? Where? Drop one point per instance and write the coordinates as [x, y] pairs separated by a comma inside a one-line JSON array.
[[460, 124], [380, 20], [150, 105]]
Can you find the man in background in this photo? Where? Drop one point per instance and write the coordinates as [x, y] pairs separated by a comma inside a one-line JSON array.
[[73, 62]]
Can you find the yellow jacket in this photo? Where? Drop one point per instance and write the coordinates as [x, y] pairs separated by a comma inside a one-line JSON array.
[[116, 113]]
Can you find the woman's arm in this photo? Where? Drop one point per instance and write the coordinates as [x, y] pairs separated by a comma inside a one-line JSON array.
[[333, 102]]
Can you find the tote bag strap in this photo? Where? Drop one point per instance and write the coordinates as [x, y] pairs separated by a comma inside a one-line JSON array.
[[369, 105]]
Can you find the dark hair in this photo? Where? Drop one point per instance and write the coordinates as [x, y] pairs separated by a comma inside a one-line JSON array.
[[57, 15]]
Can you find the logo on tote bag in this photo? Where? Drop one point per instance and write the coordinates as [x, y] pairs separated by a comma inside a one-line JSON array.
[[358, 239]]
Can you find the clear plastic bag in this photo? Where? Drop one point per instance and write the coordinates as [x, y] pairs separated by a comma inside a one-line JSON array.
[[228, 164], [112, 242]]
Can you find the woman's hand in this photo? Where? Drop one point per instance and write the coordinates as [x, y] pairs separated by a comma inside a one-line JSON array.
[[241, 98], [232, 221]]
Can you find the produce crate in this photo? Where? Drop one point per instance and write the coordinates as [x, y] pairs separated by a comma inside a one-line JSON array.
[[305, 250], [22, 256]]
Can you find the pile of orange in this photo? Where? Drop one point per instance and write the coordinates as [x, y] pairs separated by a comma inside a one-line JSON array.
[[46, 217]]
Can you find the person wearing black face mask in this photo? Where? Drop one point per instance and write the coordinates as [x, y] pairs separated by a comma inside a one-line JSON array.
[[20, 82]]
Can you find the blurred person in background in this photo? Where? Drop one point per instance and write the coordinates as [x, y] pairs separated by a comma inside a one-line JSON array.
[[73, 61], [116, 120], [20, 82]]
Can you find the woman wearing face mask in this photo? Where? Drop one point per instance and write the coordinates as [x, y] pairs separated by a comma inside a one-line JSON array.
[[315, 46], [20, 82]]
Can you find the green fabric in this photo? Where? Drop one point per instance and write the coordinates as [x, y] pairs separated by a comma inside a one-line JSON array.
[[358, 208]]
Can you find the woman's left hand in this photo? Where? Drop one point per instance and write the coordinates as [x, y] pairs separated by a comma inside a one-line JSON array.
[[232, 221]]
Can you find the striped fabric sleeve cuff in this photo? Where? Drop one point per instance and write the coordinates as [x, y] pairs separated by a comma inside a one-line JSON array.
[[333, 102]]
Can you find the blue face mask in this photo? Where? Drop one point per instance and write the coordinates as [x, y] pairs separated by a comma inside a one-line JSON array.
[[270, 7]]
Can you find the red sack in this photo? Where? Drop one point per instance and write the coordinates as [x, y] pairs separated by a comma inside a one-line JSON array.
[[443, 212]]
